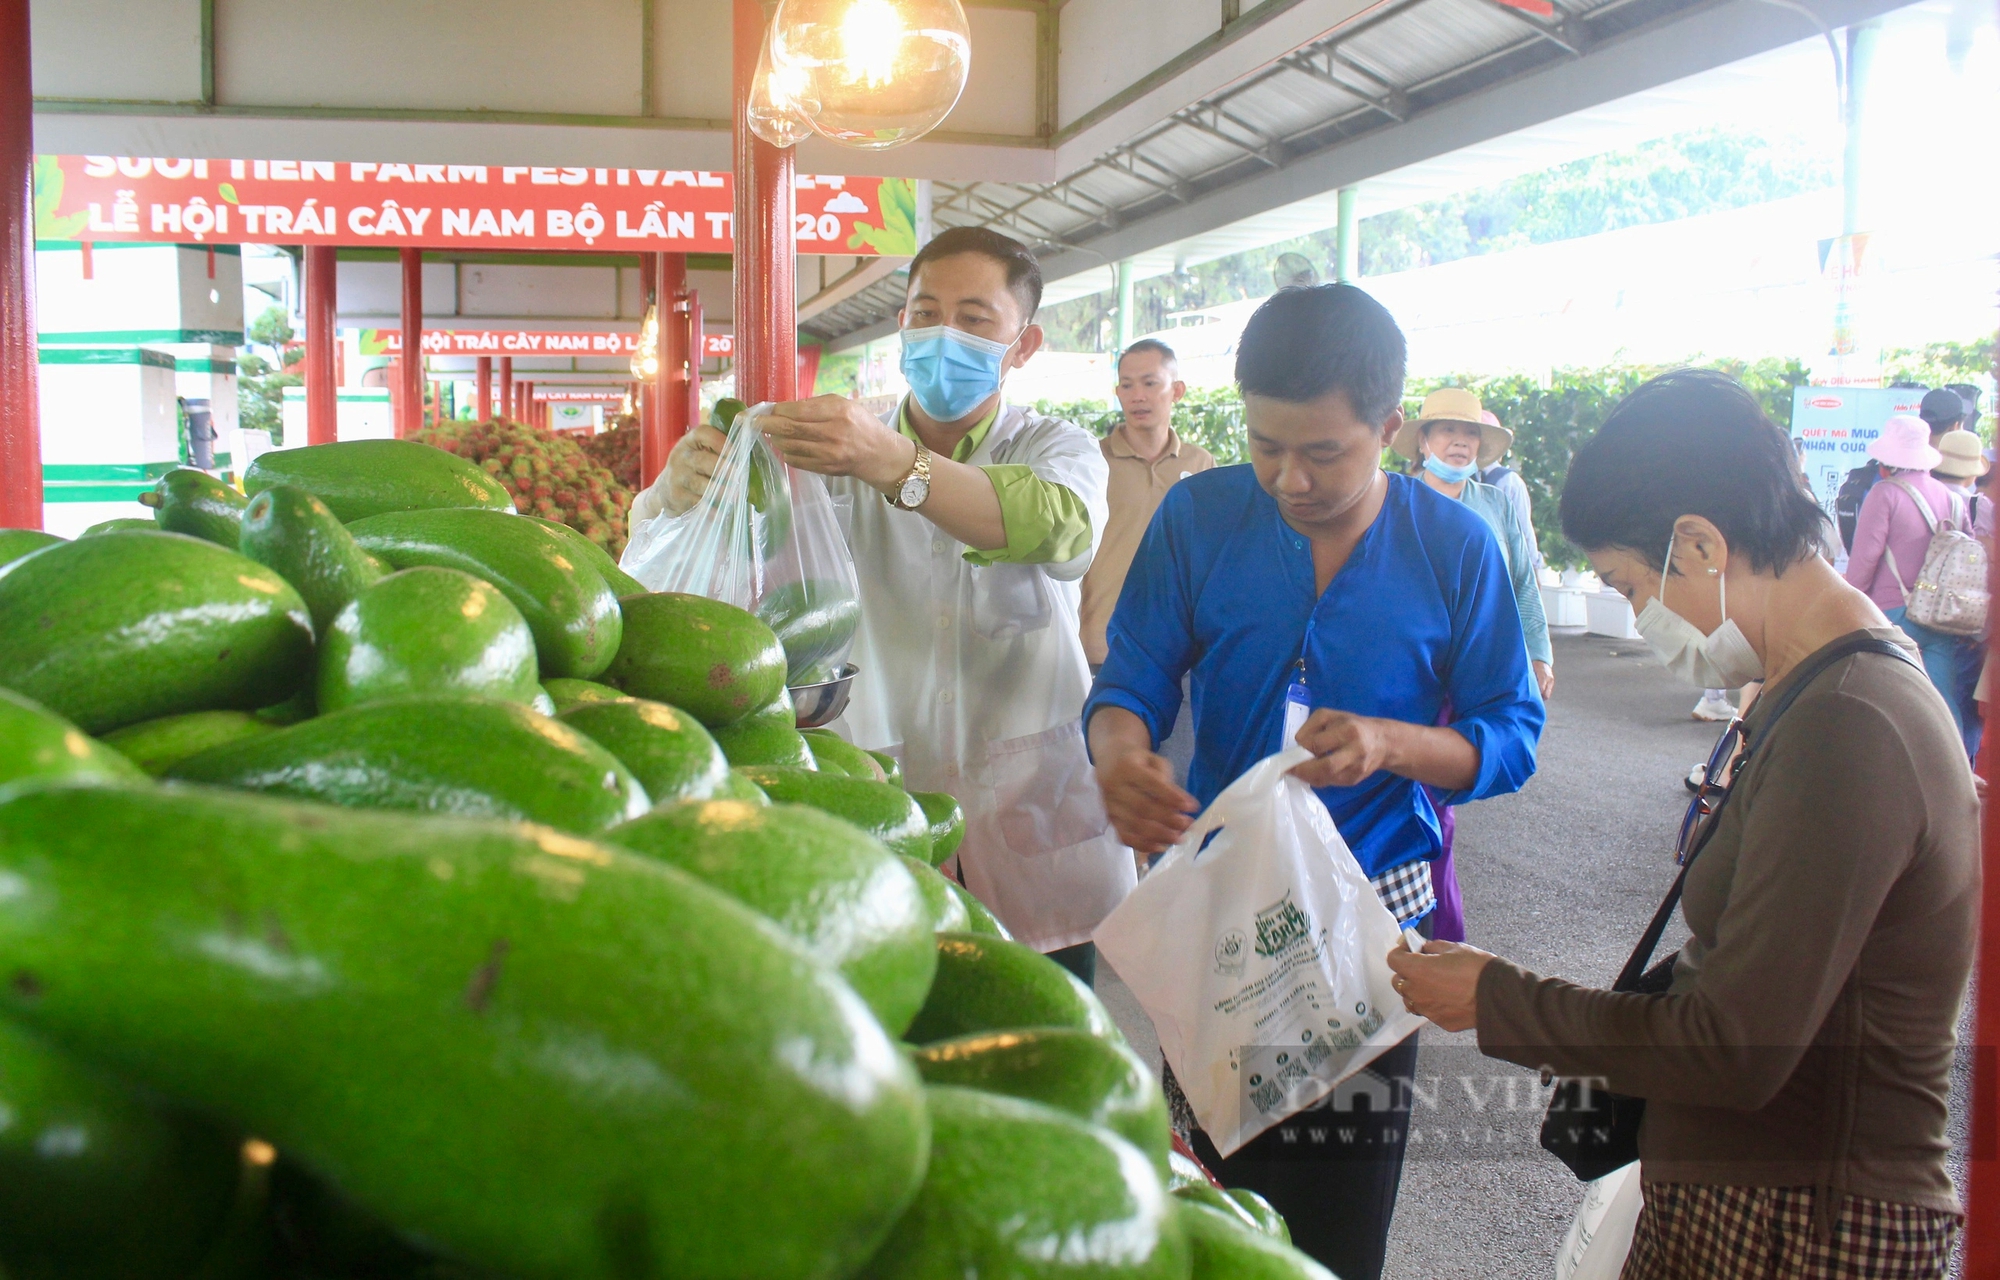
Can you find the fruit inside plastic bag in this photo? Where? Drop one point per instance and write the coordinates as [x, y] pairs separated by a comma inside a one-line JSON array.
[[763, 537]]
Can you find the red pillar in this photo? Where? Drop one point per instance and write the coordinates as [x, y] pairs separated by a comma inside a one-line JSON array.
[[668, 420], [20, 414], [485, 379], [694, 357], [650, 296], [506, 388], [410, 414], [322, 315], [1981, 1257], [767, 317]]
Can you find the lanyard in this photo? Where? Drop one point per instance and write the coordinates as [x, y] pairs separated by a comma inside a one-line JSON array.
[[1298, 696]]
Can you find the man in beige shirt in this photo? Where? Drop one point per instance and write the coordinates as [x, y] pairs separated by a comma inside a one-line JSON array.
[[1146, 457]]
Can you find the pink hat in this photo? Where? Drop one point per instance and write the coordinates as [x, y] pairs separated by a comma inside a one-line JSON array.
[[1905, 442]]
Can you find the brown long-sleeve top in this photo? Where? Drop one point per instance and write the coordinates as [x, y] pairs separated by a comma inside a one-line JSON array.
[[1807, 1039]]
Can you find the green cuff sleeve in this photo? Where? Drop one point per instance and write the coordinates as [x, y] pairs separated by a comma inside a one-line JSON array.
[[1046, 522]]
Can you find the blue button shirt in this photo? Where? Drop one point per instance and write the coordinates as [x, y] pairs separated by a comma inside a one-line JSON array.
[[1421, 612]]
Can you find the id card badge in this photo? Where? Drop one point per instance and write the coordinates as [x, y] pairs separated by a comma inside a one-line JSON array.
[[1298, 705]]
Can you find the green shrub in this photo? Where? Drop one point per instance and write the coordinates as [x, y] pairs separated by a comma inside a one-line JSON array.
[[1550, 418]]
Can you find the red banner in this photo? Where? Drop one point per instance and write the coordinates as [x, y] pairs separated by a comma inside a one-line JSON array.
[[445, 206], [461, 341]]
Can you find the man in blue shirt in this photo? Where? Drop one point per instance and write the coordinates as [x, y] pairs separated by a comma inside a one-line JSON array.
[[1386, 599]]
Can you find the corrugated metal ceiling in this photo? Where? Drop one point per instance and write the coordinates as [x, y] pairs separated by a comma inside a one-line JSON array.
[[1389, 65]]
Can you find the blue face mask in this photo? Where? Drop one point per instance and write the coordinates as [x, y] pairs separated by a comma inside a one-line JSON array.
[[1450, 474], [950, 371]]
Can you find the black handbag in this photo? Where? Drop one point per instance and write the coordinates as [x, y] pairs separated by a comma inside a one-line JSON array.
[[1593, 1130]]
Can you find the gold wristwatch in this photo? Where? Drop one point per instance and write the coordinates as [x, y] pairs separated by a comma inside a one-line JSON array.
[[913, 489]]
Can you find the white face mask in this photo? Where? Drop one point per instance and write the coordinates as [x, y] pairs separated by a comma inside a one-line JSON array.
[[1723, 659]]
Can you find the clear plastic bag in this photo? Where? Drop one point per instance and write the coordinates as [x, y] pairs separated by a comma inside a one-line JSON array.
[[763, 537]]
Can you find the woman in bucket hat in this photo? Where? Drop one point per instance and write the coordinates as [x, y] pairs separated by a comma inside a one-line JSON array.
[[1892, 536], [1964, 463], [1453, 440]]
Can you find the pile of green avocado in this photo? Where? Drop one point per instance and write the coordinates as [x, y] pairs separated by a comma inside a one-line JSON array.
[[390, 887]]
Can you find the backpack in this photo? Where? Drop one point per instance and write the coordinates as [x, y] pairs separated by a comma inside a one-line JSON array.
[[1950, 593], [1494, 474], [1847, 503]]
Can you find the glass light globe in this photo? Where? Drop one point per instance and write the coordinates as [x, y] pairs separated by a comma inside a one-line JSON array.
[[884, 72], [646, 360], [781, 104]]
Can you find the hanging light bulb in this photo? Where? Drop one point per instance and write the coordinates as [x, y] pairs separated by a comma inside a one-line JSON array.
[[882, 72], [782, 104], [646, 360]]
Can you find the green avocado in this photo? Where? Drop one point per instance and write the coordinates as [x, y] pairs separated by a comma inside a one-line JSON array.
[[666, 749], [35, 744], [947, 823], [295, 533], [990, 984], [16, 543], [588, 552], [843, 896], [362, 478], [125, 627], [464, 756], [323, 1233], [427, 630], [123, 524], [778, 711], [1184, 1171], [835, 754], [1208, 1195], [574, 616], [766, 744], [739, 787], [981, 917], [567, 693], [98, 1182], [1088, 1076], [713, 659], [892, 768], [157, 745], [541, 1055], [1262, 1212], [196, 503], [1020, 1190], [815, 620], [1225, 1249], [883, 811], [303, 705], [947, 913]]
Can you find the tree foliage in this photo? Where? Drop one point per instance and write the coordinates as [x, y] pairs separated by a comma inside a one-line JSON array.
[[1696, 172], [1550, 419], [261, 380]]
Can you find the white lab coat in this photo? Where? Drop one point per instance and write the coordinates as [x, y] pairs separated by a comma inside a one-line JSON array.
[[975, 679]]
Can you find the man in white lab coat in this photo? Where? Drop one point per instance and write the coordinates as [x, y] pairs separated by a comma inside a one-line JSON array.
[[972, 523]]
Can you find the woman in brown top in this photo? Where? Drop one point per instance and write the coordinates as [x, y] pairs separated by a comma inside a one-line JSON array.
[[1796, 1074]]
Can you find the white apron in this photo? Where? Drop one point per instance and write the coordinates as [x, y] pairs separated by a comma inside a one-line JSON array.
[[975, 679]]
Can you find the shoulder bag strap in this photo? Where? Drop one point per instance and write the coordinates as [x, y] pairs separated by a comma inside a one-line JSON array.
[[1930, 523], [1649, 941]]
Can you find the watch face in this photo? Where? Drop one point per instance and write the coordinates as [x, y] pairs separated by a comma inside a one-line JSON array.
[[914, 491]]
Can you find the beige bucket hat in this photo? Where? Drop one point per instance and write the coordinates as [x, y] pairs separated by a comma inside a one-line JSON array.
[[1964, 455], [1454, 404]]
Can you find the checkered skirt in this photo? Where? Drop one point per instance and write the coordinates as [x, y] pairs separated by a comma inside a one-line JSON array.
[[1688, 1231]]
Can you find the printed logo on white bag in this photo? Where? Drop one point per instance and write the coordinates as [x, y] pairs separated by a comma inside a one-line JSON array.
[[1281, 926], [1229, 954]]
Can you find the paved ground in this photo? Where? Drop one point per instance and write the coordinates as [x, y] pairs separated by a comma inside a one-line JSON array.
[[1561, 877]]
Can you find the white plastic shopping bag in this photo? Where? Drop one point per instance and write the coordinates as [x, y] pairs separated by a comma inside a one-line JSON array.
[[1601, 1234], [1262, 958], [764, 537]]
